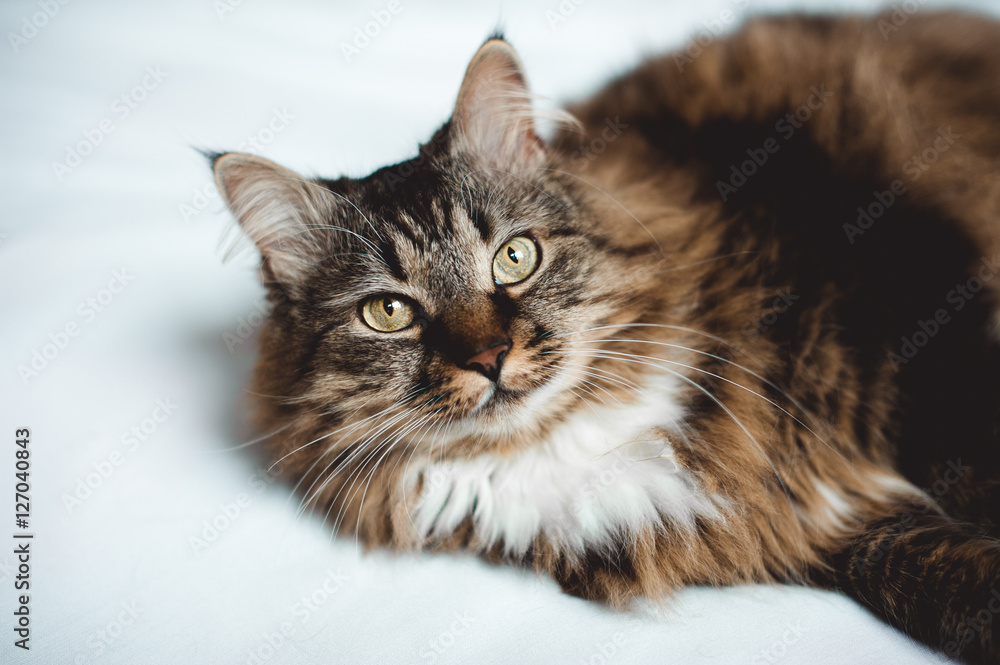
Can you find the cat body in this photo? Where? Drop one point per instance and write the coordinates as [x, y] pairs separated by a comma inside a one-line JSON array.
[[736, 325]]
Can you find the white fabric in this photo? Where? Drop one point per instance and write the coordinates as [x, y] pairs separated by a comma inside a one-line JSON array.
[[116, 578]]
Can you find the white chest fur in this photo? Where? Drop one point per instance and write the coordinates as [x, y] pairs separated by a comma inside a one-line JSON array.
[[601, 473]]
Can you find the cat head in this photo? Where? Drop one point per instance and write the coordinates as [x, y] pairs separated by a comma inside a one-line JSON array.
[[445, 287]]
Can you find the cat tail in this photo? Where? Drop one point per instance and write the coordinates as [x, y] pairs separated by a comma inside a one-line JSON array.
[[935, 579]]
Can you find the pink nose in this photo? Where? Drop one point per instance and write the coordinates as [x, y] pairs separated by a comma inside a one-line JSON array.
[[488, 361]]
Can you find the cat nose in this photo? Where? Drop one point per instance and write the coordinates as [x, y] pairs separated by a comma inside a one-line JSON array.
[[488, 361]]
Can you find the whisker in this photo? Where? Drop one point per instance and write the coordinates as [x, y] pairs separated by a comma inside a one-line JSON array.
[[356, 450], [421, 423], [406, 467], [791, 399], [721, 405], [596, 372], [252, 442], [388, 444], [668, 326], [584, 400], [351, 426]]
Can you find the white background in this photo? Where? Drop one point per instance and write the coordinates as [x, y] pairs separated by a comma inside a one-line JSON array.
[[137, 203]]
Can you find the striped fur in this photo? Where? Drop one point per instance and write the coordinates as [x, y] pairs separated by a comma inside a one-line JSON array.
[[707, 379]]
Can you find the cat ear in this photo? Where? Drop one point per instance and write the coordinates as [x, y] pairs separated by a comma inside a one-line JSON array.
[[278, 209], [493, 116]]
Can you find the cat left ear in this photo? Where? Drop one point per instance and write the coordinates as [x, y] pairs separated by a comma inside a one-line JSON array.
[[279, 210], [493, 116]]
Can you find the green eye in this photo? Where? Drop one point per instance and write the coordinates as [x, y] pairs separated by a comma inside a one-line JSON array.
[[515, 261], [387, 313]]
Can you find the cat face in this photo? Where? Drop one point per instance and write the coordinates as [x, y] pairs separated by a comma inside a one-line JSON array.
[[466, 308], [444, 299]]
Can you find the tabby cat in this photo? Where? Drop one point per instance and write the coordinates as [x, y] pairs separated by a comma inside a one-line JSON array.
[[736, 321]]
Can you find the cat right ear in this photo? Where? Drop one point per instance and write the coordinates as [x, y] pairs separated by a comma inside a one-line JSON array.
[[278, 209], [493, 117]]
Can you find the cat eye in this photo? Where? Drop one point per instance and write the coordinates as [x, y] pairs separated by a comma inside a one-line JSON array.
[[387, 313], [515, 261]]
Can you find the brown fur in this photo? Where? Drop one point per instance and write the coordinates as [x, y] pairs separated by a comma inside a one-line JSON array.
[[810, 451]]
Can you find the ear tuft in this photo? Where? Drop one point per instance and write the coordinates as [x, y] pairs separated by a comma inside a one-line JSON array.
[[279, 210]]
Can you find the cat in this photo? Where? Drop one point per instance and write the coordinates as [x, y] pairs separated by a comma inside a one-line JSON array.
[[734, 322]]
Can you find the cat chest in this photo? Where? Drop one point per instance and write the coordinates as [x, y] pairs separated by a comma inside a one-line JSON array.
[[603, 472]]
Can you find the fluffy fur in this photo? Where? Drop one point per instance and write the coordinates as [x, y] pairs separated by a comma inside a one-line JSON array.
[[708, 379]]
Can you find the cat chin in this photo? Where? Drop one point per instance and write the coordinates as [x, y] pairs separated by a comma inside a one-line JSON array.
[[502, 422], [509, 409]]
